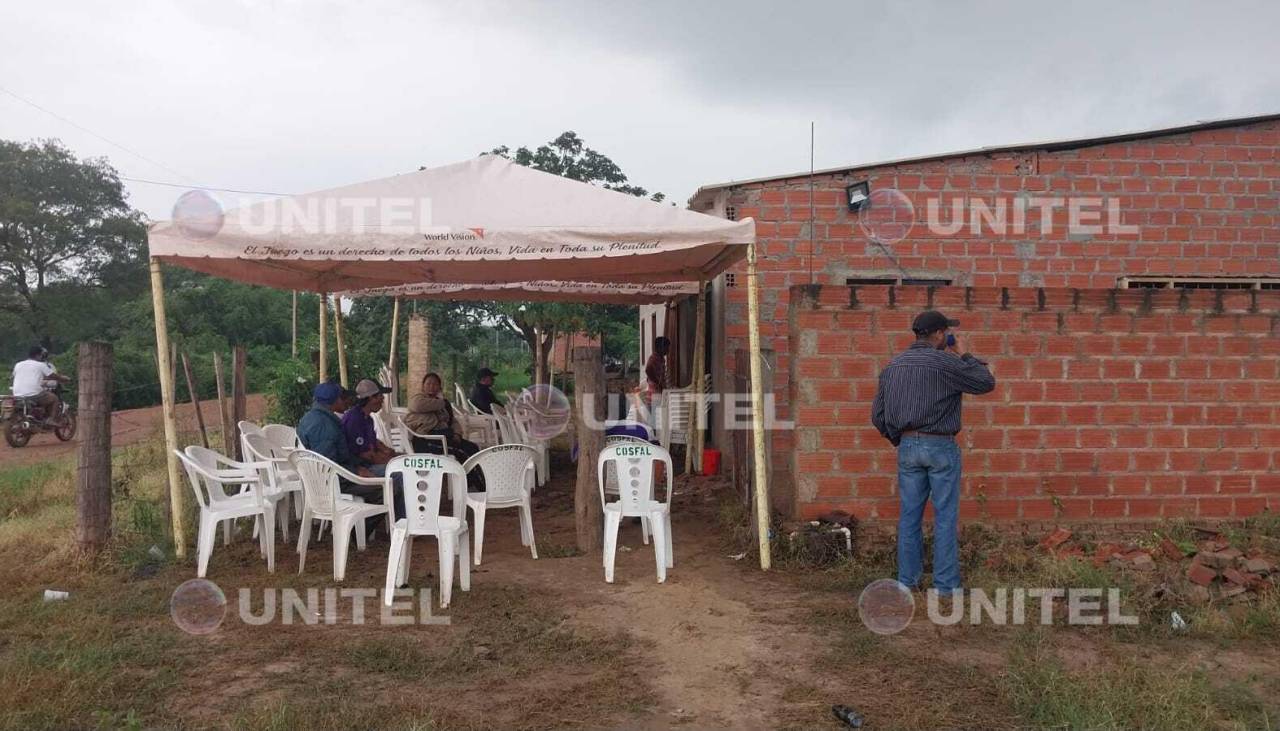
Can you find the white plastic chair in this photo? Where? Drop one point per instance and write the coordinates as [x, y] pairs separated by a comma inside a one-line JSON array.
[[633, 465], [210, 475], [508, 471], [283, 479], [506, 427], [521, 419], [423, 477], [408, 435], [283, 436], [324, 500]]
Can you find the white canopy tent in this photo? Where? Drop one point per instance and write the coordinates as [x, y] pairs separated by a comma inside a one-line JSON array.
[[486, 228]]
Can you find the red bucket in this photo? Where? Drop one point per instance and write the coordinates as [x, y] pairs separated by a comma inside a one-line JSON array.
[[710, 461]]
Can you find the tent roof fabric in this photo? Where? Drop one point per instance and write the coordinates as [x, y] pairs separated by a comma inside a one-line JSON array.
[[486, 221]]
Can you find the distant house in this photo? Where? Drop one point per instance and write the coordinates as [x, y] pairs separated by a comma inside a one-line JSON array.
[[1125, 288]]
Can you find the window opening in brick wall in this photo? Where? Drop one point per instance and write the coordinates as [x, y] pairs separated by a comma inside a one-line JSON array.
[[730, 279], [731, 213], [1199, 283]]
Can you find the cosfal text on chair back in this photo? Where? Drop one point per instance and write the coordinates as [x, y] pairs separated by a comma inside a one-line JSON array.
[[507, 468], [634, 465], [424, 476]]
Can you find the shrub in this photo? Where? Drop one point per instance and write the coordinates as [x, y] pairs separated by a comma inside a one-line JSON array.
[[289, 392]]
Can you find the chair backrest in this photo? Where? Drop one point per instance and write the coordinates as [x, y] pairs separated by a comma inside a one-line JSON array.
[[506, 427], [507, 468], [461, 402], [611, 473], [260, 449], [633, 464], [385, 376], [282, 435], [196, 478], [391, 431], [423, 477], [216, 471], [245, 428], [319, 478]]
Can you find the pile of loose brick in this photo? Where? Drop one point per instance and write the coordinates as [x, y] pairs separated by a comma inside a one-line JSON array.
[[1216, 570]]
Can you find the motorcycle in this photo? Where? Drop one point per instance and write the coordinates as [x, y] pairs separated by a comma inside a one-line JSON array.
[[22, 419]]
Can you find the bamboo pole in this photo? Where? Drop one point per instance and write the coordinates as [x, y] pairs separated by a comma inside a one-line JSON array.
[[337, 334], [169, 419], [324, 339], [588, 388], [394, 354], [294, 347], [239, 386], [195, 400], [757, 410], [224, 416]]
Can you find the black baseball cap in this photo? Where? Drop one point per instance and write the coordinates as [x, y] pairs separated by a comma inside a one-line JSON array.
[[485, 372], [931, 321]]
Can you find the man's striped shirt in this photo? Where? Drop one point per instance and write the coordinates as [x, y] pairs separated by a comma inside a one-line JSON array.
[[920, 390]]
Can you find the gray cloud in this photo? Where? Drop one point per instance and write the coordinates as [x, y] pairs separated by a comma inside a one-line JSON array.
[[291, 96]]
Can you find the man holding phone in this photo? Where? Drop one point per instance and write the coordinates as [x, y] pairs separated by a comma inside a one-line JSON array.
[[917, 408]]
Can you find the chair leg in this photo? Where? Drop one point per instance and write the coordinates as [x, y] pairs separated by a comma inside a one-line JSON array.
[[464, 560], [671, 556], [644, 530], [362, 533], [269, 533], [226, 532], [526, 527], [304, 533], [611, 523], [660, 548], [394, 563], [341, 542], [446, 542], [298, 500], [204, 543], [405, 558], [479, 514]]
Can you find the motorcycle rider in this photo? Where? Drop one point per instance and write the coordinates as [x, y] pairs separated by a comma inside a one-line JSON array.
[[29, 378]]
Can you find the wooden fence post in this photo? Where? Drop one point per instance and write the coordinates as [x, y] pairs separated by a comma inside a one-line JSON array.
[[588, 390], [93, 475], [238, 360], [224, 415], [195, 400]]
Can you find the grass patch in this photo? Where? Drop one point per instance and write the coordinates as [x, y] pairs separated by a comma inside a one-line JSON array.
[[1125, 694], [558, 550]]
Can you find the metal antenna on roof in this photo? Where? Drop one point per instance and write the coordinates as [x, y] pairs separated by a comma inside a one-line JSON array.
[[812, 215]]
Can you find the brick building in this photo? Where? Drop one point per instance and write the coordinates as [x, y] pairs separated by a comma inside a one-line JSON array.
[[1133, 332]]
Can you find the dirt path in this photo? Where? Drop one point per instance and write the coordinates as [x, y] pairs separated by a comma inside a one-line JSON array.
[[127, 427]]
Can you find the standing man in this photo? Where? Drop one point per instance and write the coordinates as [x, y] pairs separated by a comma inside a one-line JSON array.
[[917, 408]]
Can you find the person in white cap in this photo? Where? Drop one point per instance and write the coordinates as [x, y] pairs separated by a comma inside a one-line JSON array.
[[357, 425]]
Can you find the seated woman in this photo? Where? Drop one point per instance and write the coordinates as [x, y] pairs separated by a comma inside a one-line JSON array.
[[430, 413]]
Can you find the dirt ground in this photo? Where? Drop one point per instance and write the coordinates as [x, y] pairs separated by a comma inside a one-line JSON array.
[[128, 426], [547, 643]]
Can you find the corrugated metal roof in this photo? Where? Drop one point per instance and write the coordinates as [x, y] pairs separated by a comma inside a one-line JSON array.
[[1021, 147]]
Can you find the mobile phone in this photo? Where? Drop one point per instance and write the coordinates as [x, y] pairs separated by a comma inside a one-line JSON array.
[[951, 341]]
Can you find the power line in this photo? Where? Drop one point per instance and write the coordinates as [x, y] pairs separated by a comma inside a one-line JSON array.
[[201, 187], [86, 130]]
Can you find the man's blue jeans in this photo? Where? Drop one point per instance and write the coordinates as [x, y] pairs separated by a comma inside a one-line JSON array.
[[929, 468]]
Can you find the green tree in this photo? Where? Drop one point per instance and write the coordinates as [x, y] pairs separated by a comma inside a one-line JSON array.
[[65, 231]]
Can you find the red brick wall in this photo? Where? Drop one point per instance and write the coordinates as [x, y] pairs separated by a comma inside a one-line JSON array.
[[1110, 404], [1204, 203]]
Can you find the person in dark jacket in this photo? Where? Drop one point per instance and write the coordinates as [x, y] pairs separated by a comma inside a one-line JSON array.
[[917, 408], [482, 393]]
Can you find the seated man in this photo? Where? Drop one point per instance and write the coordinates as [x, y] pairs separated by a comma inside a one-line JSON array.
[[320, 431], [482, 393], [357, 425], [29, 377]]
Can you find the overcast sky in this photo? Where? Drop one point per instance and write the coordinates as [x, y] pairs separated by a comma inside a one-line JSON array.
[[297, 96]]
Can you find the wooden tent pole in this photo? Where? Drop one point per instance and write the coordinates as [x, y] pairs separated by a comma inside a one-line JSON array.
[[395, 338], [293, 349], [170, 421], [693, 441], [337, 334], [324, 339], [761, 470]]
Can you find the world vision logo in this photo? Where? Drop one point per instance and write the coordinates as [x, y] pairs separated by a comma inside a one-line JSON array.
[[477, 231], [470, 234]]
